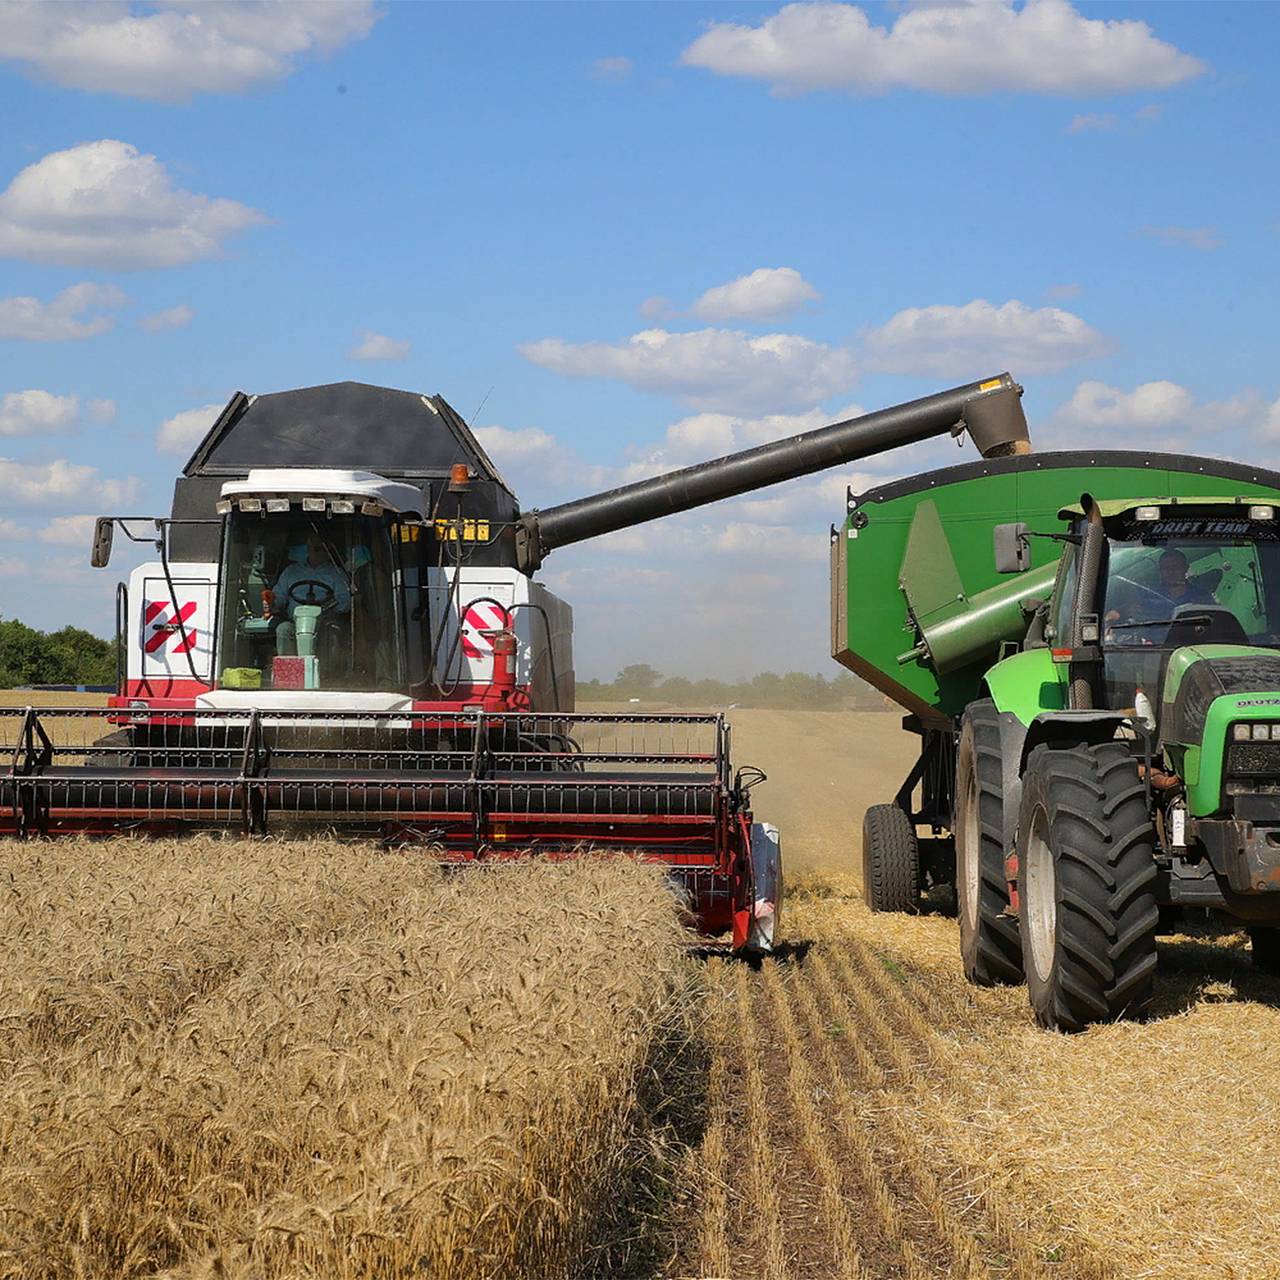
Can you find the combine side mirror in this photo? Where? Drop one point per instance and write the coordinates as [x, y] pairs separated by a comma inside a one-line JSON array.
[[103, 531], [1013, 548]]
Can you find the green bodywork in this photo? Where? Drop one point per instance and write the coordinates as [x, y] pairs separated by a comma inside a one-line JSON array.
[[923, 551]]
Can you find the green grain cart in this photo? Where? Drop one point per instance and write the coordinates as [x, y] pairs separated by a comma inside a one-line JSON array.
[[1088, 647]]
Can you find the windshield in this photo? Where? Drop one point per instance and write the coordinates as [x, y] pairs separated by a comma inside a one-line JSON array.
[[308, 602], [1168, 593]]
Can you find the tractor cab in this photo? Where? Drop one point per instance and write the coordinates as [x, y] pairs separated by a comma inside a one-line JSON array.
[[312, 584], [1197, 574]]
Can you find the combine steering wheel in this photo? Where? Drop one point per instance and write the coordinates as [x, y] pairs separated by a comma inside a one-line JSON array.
[[325, 600]]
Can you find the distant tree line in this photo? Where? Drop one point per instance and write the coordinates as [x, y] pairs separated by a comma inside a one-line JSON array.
[[795, 690], [66, 656]]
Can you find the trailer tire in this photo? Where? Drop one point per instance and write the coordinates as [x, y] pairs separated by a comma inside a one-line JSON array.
[[989, 945], [1264, 946], [1086, 877], [890, 860]]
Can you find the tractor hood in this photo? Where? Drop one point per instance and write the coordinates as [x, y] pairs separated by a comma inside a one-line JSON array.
[[1198, 675]]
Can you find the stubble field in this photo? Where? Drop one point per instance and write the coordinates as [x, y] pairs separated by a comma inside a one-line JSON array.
[[309, 1059]]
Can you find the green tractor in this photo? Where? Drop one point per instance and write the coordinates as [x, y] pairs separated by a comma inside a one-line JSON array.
[[1100, 728]]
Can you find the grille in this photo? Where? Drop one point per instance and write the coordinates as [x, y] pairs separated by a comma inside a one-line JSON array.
[[1253, 759]]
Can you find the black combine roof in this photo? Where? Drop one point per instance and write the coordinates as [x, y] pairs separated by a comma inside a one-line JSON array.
[[344, 425]]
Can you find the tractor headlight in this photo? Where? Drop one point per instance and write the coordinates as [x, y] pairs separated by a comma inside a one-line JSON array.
[[313, 504], [342, 507], [1240, 732], [277, 504], [1261, 732]]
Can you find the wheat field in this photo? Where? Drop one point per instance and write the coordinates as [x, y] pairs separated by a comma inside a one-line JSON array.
[[310, 1059]]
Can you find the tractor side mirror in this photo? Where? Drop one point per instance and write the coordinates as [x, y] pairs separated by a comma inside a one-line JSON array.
[[103, 531], [1013, 548]]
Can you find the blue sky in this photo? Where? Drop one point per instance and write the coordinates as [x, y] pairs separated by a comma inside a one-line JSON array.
[[497, 198]]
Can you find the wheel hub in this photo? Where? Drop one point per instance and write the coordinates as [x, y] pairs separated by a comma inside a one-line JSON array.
[[1040, 910]]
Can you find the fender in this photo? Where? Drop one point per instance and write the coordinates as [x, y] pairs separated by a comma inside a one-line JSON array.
[[1056, 728]]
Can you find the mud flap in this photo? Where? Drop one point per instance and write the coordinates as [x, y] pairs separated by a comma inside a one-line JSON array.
[[766, 876]]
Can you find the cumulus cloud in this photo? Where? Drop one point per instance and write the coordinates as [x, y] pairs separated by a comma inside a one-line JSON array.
[[170, 50], [178, 317], [37, 413], [377, 346], [1188, 237], [101, 410], [764, 294], [1044, 46], [105, 204], [68, 531], [1157, 406], [709, 368], [657, 308], [947, 341], [611, 70], [69, 315], [185, 430], [61, 482]]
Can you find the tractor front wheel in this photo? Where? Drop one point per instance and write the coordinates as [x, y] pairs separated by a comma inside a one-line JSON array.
[[989, 944], [1086, 871], [890, 860]]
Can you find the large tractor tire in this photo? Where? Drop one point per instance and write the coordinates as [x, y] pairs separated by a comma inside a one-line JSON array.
[[989, 943], [1086, 874], [890, 860]]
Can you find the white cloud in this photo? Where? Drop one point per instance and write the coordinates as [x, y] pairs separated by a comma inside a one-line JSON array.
[[170, 50], [66, 317], [377, 346], [12, 531], [1190, 237], [1045, 46], [611, 70], [178, 317], [61, 482], [1106, 122], [105, 204], [1063, 292], [185, 430], [101, 410], [657, 308], [978, 338], [764, 294], [37, 413], [68, 531], [1157, 406], [710, 368]]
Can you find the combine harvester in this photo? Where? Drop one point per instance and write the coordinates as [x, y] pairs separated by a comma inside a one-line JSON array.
[[341, 630], [1099, 731]]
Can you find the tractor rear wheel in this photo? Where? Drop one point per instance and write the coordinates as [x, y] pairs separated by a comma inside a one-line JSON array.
[[890, 860], [989, 945], [1265, 949], [1086, 872]]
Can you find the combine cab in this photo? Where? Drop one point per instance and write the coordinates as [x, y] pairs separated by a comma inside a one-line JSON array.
[[342, 631]]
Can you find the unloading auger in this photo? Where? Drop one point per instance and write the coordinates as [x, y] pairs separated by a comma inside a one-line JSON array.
[[341, 630]]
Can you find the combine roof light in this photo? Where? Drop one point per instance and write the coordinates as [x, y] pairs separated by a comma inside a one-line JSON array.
[[313, 504], [223, 506], [343, 507], [250, 504], [277, 504], [371, 508], [1147, 513], [1262, 513], [1261, 732]]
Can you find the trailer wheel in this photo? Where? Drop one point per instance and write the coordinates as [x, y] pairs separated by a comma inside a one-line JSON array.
[[1265, 949], [989, 945], [890, 860], [1086, 870]]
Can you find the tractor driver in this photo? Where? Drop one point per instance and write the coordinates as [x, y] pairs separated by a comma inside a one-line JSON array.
[[1158, 603], [317, 580]]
